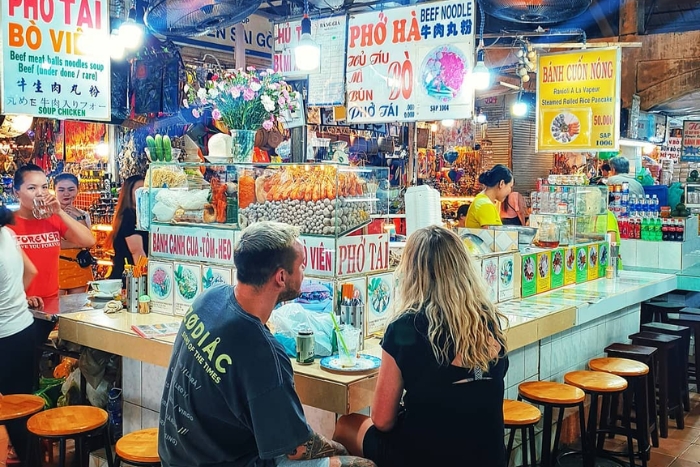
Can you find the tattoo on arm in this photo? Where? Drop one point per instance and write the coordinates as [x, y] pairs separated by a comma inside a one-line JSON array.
[[350, 461], [317, 447]]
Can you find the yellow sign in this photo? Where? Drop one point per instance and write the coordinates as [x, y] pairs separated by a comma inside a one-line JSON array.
[[578, 100]]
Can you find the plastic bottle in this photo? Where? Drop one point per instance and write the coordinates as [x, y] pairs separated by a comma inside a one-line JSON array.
[[664, 230], [658, 234], [680, 230], [633, 205], [655, 206], [644, 230]]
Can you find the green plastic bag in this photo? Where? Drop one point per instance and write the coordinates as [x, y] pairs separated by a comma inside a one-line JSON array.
[[49, 390], [675, 193], [644, 177]]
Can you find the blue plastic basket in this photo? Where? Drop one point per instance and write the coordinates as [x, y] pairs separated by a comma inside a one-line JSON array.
[[661, 192]]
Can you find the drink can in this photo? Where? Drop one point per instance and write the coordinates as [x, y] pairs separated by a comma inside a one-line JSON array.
[[305, 347]]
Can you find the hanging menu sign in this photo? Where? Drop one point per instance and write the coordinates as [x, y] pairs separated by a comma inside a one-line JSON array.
[[690, 147], [327, 84], [411, 63], [45, 70], [578, 100]]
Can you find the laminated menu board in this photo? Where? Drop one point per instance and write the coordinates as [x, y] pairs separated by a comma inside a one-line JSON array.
[[593, 261], [544, 271], [380, 301], [489, 272], [506, 276], [212, 275], [317, 295], [603, 258], [529, 284], [160, 286], [558, 268], [188, 286], [581, 264], [570, 265]]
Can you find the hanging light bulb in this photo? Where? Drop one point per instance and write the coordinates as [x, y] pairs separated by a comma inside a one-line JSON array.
[[481, 75], [480, 116], [448, 122], [131, 32], [433, 127], [519, 108], [116, 47], [307, 53]]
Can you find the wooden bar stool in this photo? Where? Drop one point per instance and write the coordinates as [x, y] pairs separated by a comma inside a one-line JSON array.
[[597, 384], [636, 397], [684, 333], [691, 320], [647, 356], [667, 377], [653, 311], [14, 406], [17, 406], [552, 396], [139, 448], [521, 416], [71, 422]]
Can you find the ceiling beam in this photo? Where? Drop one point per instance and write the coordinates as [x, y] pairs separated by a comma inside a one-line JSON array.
[[600, 19], [632, 14]]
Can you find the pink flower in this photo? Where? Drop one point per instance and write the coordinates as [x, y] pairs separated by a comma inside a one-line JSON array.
[[281, 101], [216, 114], [235, 92], [195, 113], [251, 68], [267, 125], [185, 103], [214, 77], [248, 94]]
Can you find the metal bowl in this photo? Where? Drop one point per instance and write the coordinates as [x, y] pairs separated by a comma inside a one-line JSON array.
[[525, 234]]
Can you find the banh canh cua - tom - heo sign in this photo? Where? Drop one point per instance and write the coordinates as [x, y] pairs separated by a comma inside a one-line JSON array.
[[412, 63], [53, 58]]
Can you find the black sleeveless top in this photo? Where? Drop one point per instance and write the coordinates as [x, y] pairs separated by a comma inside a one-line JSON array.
[[445, 423]]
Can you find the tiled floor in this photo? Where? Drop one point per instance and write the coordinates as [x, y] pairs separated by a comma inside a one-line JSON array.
[[682, 447]]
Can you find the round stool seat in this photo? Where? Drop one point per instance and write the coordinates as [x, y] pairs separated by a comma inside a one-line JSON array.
[[518, 413], [551, 393], [619, 366], [66, 421], [139, 446], [596, 381], [15, 406]]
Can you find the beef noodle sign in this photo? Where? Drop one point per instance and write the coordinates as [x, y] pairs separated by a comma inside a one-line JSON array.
[[53, 60]]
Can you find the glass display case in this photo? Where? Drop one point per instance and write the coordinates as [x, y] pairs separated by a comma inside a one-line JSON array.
[[321, 199], [573, 214]]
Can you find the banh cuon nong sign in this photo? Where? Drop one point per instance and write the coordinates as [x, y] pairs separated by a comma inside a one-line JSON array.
[[578, 106], [411, 63], [45, 72]]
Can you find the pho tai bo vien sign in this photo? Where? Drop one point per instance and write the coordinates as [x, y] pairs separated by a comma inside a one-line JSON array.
[[46, 69]]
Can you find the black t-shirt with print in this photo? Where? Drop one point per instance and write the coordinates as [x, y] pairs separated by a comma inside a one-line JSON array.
[[121, 250], [229, 397], [443, 421]]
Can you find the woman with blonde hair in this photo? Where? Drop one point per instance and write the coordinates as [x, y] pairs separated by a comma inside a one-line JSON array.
[[445, 348]]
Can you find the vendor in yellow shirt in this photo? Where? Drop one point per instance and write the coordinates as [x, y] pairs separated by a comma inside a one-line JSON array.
[[498, 183]]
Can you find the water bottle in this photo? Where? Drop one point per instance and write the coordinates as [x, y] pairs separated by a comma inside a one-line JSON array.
[[114, 409], [647, 206], [655, 205], [633, 206]]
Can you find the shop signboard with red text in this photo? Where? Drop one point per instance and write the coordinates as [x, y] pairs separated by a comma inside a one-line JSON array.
[[194, 244], [690, 145], [47, 69], [411, 63], [346, 256]]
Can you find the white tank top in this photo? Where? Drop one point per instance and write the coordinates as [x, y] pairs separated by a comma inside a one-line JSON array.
[[14, 312]]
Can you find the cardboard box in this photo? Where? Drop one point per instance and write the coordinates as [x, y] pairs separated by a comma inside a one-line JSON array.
[[212, 275], [380, 301], [489, 272], [506, 277], [187, 285], [581, 264], [544, 271], [593, 262], [570, 265], [529, 273], [603, 258], [161, 285], [558, 268]]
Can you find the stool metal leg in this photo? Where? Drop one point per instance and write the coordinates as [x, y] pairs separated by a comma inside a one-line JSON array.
[[509, 449], [557, 434], [547, 437], [626, 411], [108, 446], [62, 452], [523, 443], [533, 451]]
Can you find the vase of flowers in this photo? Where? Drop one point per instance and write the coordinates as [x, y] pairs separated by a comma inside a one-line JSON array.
[[244, 101]]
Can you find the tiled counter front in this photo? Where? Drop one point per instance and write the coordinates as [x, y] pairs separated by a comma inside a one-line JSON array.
[[549, 335]]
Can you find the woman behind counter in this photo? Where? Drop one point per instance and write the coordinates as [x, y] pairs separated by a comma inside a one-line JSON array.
[[445, 347], [498, 183], [128, 243], [17, 333], [71, 277]]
